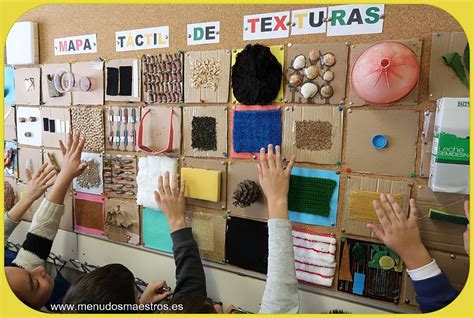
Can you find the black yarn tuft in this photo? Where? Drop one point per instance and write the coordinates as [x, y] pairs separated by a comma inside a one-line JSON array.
[[256, 75]]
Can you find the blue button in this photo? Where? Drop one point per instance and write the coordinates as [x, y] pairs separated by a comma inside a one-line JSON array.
[[379, 141]]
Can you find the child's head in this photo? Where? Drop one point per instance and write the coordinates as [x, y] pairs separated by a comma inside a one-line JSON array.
[[112, 283], [32, 286], [196, 304]]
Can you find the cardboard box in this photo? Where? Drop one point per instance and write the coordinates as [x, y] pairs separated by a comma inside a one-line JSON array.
[[449, 171]]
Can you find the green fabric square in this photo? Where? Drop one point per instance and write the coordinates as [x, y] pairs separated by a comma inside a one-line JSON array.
[[156, 231], [310, 195]]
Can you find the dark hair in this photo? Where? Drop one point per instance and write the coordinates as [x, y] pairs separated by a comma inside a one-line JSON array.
[[187, 304], [256, 75], [112, 283]]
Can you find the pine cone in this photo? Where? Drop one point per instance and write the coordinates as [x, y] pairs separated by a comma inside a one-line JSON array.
[[9, 196], [246, 193]]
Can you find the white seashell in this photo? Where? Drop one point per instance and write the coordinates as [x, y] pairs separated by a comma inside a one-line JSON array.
[[311, 72], [308, 90], [299, 62], [329, 59], [328, 76]]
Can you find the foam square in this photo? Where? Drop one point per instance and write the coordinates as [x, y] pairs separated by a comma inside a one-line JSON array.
[[202, 184]]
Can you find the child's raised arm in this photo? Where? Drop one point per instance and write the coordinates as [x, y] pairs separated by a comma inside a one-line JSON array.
[[281, 293], [36, 186], [401, 234]]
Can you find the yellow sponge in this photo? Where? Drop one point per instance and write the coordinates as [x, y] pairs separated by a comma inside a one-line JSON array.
[[202, 184]]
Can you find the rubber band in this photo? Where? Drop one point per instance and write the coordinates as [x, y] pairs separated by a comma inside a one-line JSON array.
[[148, 149]]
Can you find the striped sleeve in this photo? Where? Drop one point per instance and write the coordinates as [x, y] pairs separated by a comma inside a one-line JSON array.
[[40, 237], [9, 225]]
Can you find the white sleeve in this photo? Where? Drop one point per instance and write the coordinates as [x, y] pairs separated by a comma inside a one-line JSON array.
[[429, 270]]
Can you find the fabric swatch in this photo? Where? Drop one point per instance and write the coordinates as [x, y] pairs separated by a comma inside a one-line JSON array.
[[313, 135], [112, 81], [310, 195], [204, 134], [246, 244], [125, 80], [156, 231], [149, 169], [253, 130], [315, 256]]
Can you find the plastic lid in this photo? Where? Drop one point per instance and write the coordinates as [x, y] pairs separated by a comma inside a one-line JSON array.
[[379, 141]]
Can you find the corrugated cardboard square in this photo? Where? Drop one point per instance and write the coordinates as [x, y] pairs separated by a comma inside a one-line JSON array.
[[238, 172], [22, 96], [209, 232], [401, 129], [21, 190], [88, 156], [62, 119], [427, 143], [211, 165], [51, 70], [443, 80], [220, 114], [117, 64], [130, 127], [245, 155], [120, 234], [279, 52], [9, 122], [207, 95], [455, 266], [29, 126], [382, 186], [340, 52], [436, 234], [157, 124], [95, 72], [356, 50], [292, 114], [25, 155]]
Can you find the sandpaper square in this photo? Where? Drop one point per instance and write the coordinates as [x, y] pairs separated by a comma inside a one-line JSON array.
[[204, 133]]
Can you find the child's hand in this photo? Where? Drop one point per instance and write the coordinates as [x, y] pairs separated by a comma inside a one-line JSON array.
[[400, 233], [171, 201], [40, 182], [466, 233], [72, 165], [154, 292], [274, 180]]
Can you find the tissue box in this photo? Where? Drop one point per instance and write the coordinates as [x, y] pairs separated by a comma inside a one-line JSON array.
[[449, 169]]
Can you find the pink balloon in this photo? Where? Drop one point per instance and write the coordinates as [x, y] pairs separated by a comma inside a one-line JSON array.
[[385, 73]]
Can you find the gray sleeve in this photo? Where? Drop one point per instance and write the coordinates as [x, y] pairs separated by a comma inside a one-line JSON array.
[[281, 293], [10, 226]]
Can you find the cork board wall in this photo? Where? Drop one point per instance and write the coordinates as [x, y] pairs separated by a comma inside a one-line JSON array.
[[401, 22]]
